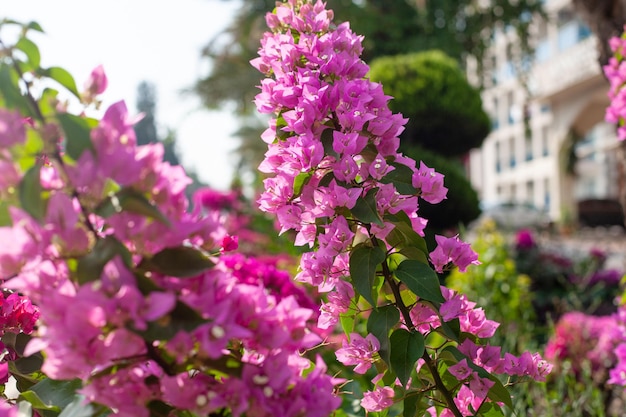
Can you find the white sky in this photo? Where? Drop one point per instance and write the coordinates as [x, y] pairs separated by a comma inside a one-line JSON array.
[[153, 40]]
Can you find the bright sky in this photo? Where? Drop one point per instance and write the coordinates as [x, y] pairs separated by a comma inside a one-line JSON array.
[[153, 40]]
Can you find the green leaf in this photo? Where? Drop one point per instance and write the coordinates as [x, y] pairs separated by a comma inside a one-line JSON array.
[[327, 138], [402, 178], [300, 181], [90, 266], [365, 209], [10, 91], [380, 323], [78, 408], [347, 319], [77, 134], [411, 400], [451, 329], [347, 322], [363, 263], [420, 279], [30, 191], [406, 348], [36, 402], [498, 392], [63, 77], [179, 261], [29, 364], [132, 201], [182, 318], [34, 26], [57, 394], [31, 50]]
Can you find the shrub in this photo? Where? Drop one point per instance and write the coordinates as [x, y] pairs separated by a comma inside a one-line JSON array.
[[429, 88]]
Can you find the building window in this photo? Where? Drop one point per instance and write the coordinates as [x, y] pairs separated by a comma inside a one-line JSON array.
[[495, 122], [571, 30], [528, 144], [510, 107], [512, 153]]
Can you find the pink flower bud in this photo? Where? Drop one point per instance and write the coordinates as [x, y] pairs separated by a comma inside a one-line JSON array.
[[97, 81]]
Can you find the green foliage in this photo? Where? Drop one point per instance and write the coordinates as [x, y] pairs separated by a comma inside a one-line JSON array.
[[445, 112], [461, 205], [363, 263]]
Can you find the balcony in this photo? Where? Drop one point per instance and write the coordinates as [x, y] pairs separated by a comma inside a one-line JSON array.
[[566, 69]]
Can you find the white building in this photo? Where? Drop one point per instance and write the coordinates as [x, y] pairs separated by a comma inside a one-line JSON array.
[[524, 159]]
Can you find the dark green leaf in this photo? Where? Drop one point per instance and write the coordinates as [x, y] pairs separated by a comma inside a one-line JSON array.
[[90, 266], [34, 26], [30, 190], [57, 393], [365, 209], [31, 50], [451, 329], [498, 392], [380, 323], [363, 263], [402, 178], [29, 364], [327, 141], [411, 400], [77, 134], [415, 254], [406, 348], [63, 77], [180, 261], [182, 318], [420, 279], [159, 408], [132, 201]]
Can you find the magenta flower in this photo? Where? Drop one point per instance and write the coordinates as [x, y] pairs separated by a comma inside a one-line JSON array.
[[377, 400], [97, 82], [452, 251], [359, 351], [12, 130]]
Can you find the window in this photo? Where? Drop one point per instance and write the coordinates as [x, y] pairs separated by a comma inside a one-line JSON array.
[[528, 145], [510, 107], [512, 152], [495, 122], [571, 30]]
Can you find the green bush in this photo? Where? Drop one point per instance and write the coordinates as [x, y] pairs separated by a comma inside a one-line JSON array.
[[429, 88]]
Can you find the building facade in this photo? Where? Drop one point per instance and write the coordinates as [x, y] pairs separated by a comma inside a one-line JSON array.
[[549, 145]]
